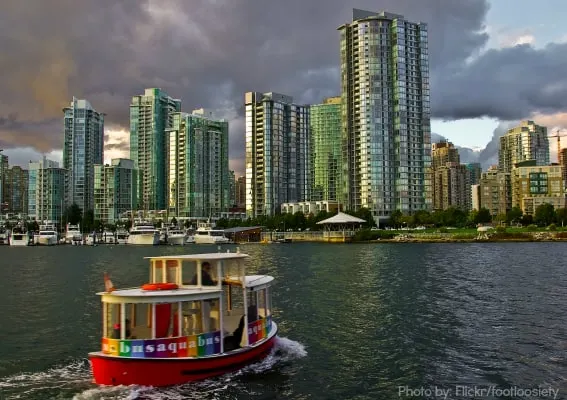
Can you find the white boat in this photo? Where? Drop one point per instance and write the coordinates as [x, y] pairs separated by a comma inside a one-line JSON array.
[[108, 237], [92, 239], [73, 234], [47, 235], [143, 233], [205, 234], [19, 237], [176, 237], [121, 236]]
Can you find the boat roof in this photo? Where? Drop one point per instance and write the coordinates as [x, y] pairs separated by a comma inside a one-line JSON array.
[[258, 280], [204, 256]]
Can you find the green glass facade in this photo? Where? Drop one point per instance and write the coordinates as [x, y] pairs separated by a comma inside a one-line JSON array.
[[198, 176], [115, 190], [151, 115], [325, 120]]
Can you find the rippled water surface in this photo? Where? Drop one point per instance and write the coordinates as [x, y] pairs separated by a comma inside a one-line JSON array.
[[356, 321]]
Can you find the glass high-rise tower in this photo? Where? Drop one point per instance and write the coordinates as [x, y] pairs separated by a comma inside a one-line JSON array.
[[326, 144], [528, 141], [151, 114], [83, 148], [277, 152], [386, 129], [198, 178]]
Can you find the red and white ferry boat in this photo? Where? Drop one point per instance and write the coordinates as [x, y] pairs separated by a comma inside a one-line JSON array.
[[199, 316]]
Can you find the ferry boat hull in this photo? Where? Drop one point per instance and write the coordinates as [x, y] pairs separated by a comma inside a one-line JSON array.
[[114, 371]]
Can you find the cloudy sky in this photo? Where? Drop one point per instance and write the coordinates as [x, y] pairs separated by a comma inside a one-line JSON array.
[[492, 62]]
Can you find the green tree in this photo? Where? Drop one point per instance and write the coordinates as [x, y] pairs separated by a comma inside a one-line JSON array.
[[500, 218], [544, 214], [514, 215], [396, 218], [365, 214], [561, 216], [72, 214], [87, 223], [483, 216], [421, 218]]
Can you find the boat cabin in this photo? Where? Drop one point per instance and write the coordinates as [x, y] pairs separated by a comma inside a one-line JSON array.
[[195, 305]]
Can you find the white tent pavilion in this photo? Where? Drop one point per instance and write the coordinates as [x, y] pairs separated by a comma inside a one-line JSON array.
[[340, 227]]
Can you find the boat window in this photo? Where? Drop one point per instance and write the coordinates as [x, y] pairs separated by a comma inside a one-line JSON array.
[[140, 317], [191, 318], [262, 306], [232, 270], [111, 317], [157, 275], [252, 304], [189, 271], [172, 269]]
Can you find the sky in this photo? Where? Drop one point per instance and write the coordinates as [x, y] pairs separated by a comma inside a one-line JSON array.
[[492, 63]]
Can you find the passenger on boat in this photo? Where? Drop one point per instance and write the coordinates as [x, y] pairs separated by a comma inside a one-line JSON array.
[[233, 342], [206, 279], [116, 332]]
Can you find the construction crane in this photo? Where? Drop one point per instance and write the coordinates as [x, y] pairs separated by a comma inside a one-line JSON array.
[[559, 136]]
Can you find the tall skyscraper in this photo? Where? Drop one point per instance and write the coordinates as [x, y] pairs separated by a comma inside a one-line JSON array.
[[326, 149], [83, 147], [114, 189], [46, 191], [16, 190], [526, 142], [151, 115], [198, 178], [232, 189], [277, 152], [241, 192], [386, 125], [3, 169], [475, 172]]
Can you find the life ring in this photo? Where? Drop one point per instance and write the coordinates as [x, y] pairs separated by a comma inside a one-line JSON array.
[[160, 286]]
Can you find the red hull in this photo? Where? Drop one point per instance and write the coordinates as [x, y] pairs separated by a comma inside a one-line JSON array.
[[109, 370]]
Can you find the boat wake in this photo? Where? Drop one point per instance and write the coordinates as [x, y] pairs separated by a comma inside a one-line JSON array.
[[65, 381]]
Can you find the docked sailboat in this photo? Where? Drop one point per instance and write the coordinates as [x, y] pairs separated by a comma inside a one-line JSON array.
[[206, 234], [73, 234], [143, 232]]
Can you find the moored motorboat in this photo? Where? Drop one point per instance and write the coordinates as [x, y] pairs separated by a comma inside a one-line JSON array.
[[199, 316], [73, 234], [47, 235], [143, 233], [19, 237], [176, 237], [206, 234], [121, 236]]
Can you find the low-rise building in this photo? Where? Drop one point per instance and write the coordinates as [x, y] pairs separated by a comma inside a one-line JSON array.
[[534, 185], [495, 193]]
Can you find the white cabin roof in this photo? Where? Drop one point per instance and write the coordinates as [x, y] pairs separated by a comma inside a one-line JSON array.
[[258, 280], [196, 257]]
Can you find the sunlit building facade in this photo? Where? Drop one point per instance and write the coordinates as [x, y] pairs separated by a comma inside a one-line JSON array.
[[325, 120], [198, 175], [278, 166], [15, 197], [526, 142], [151, 115], [386, 129], [115, 190], [534, 185], [83, 147]]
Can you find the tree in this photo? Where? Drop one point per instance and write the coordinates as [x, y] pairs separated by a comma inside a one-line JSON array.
[[366, 214], [483, 216], [514, 215], [561, 216], [544, 214], [500, 218], [396, 218], [73, 214], [88, 221]]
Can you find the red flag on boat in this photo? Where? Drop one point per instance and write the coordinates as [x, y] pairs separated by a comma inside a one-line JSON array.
[[108, 283]]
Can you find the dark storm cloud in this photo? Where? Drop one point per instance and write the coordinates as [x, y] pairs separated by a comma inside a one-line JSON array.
[[208, 53]]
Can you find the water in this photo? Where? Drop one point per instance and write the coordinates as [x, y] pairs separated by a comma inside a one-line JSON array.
[[356, 321]]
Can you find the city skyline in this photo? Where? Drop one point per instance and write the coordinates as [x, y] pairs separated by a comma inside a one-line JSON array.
[[470, 41]]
